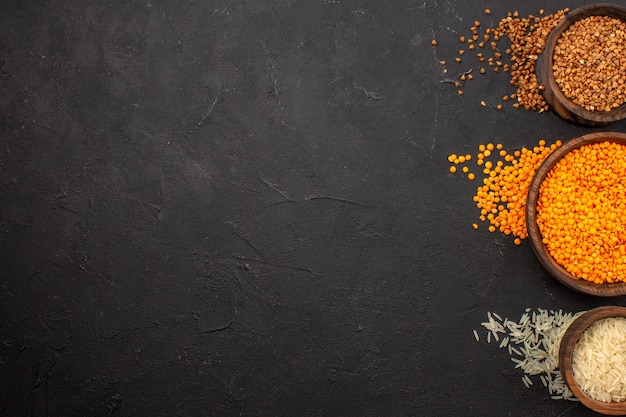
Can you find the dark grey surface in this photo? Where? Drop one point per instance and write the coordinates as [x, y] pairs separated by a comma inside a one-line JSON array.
[[243, 208]]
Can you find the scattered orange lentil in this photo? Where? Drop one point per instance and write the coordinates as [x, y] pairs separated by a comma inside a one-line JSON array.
[[452, 169], [581, 212], [501, 197]]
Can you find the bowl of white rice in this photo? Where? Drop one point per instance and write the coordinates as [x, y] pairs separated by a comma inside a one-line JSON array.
[[592, 359]]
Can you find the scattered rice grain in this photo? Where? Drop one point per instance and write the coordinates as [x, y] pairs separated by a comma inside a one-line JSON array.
[[533, 345]]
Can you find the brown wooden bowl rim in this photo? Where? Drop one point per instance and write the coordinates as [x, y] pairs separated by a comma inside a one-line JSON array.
[[566, 351], [547, 60], [556, 270]]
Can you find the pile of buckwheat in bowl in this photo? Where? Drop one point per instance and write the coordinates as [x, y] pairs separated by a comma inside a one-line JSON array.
[[583, 68], [589, 63]]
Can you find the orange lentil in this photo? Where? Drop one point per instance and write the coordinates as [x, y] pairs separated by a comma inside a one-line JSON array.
[[452, 169], [581, 212], [501, 195]]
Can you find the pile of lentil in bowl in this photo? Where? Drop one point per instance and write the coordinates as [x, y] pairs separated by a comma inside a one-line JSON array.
[[581, 212]]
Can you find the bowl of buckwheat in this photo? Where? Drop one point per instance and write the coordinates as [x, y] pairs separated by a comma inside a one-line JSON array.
[[583, 67]]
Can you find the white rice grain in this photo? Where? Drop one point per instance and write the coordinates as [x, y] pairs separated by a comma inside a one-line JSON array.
[[533, 345], [599, 360], [504, 342]]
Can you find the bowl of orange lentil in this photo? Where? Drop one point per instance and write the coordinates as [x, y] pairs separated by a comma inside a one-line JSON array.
[[581, 70], [576, 214]]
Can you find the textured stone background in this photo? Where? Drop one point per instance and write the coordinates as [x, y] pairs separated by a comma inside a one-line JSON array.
[[244, 208]]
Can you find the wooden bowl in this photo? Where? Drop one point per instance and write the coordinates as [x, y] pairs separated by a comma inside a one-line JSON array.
[[556, 270], [570, 337], [553, 95]]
